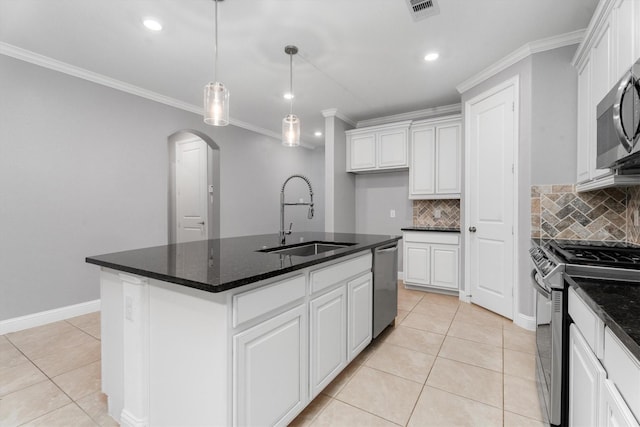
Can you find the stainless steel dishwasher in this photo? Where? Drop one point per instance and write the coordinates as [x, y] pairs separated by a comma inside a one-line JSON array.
[[385, 287]]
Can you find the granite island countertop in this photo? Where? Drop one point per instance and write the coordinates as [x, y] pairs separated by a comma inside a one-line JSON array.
[[444, 229], [617, 303], [222, 264]]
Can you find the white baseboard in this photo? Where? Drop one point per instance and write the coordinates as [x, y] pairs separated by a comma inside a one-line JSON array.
[[526, 322], [49, 316]]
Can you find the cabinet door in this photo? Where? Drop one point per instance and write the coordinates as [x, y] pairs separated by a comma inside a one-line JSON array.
[[363, 151], [392, 146], [448, 159], [585, 116], [614, 412], [270, 370], [444, 266], [585, 377], [416, 263], [360, 314], [422, 171], [328, 338], [601, 81], [624, 37]]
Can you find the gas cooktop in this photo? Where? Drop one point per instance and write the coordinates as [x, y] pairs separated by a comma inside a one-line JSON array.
[[607, 254]]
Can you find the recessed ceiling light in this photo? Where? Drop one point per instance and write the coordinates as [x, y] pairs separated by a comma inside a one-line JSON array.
[[318, 133], [431, 56], [288, 95], [152, 24]]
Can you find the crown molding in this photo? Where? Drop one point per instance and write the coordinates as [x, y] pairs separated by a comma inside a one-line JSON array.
[[523, 52], [333, 112], [599, 18], [81, 73], [412, 115]]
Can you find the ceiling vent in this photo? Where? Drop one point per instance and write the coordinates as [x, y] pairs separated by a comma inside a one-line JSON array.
[[421, 9]]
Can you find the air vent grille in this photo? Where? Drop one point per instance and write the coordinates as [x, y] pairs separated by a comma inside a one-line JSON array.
[[421, 9]]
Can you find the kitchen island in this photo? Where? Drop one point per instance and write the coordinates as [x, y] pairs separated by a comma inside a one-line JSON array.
[[231, 331]]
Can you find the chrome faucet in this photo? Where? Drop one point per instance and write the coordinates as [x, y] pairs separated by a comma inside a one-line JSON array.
[[283, 204]]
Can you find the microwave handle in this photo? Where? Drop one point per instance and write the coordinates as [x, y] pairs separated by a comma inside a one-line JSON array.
[[625, 140]]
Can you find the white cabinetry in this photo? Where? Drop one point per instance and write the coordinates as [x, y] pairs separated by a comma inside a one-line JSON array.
[[434, 168], [328, 337], [603, 394], [431, 259], [378, 148], [273, 352], [608, 50], [360, 314], [341, 318], [254, 355], [585, 377]]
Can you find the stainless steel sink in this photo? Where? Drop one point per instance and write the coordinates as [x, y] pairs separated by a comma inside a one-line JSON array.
[[306, 249]]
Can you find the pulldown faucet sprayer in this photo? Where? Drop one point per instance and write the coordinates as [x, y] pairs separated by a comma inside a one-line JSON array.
[[283, 204]]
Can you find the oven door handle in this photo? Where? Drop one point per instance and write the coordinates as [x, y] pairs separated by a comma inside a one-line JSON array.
[[545, 293]]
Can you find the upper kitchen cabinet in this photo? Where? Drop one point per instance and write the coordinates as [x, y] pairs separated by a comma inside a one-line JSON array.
[[610, 48], [378, 148], [434, 168]]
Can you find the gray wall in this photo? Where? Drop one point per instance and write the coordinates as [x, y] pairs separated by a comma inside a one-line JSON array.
[[554, 117], [340, 214], [546, 141], [376, 195], [84, 171]]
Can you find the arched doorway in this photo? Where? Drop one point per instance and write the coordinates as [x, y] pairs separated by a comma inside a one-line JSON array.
[[193, 187]]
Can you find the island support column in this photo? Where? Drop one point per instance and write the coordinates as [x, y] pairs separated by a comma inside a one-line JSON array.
[[135, 292]]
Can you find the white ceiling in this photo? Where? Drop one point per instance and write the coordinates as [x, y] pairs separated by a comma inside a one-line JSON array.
[[363, 57]]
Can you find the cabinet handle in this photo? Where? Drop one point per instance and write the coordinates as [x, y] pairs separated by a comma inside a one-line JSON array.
[[472, 229], [201, 223]]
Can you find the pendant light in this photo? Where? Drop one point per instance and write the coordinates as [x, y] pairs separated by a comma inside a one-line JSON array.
[[216, 95], [291, 123]]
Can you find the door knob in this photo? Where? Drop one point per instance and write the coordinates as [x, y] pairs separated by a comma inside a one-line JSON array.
[[472, 229]]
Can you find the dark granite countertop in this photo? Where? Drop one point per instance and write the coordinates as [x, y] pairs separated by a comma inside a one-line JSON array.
[[446, 229], [223, 264], [617, 303]]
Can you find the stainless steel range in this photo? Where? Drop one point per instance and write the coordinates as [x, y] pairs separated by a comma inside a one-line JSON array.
[[551, 260]]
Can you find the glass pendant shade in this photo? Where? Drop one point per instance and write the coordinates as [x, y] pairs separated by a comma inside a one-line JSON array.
[[291, 131], [216, 104]]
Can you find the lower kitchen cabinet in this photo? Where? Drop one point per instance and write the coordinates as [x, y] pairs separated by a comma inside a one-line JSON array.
[[272, 352], [360, 314], [602, 392], [614, 412], [431, 259], [585, 377], [328, 337]]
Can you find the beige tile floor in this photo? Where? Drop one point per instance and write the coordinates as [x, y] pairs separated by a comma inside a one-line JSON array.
[[445, 363]]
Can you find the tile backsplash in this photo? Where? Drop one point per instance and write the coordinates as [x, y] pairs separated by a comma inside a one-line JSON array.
[[559, 212], [424, 213]]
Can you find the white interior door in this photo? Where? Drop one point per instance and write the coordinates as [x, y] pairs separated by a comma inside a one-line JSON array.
[[491, 137], [191, 190]]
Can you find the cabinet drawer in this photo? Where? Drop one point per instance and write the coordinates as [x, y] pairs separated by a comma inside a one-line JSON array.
[[444, 238], [256, 302], [325, 277], [623, 369], [590, 325]]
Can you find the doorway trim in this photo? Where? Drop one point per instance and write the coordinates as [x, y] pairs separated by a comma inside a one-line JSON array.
[[213, 178], [515, 83]]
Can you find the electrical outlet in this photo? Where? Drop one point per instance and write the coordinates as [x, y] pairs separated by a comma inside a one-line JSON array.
[[437, 213], [128, 308], [392, 213], [636, 218]]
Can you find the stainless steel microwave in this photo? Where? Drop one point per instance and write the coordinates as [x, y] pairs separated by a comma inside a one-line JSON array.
[[618, 129]]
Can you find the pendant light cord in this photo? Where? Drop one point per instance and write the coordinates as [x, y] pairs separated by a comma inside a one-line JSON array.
[[291, 82], [215, 57]]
